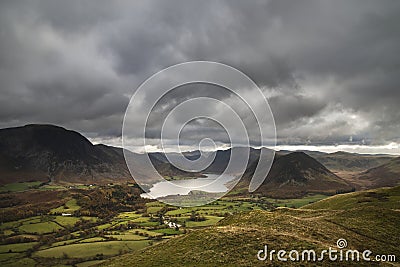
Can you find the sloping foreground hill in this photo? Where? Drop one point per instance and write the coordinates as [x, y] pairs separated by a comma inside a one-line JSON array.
[[235, 241], [381, 198], [387, 174]]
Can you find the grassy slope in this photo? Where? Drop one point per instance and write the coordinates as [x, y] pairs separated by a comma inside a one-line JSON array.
[[367, 220], [378, 198]]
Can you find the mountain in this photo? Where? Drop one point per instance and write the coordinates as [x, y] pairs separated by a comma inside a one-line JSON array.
[[168, 170], [344, 161], [337, 161], [294, 175], [223, 156], [218, 164], [236, 240], [48, 152], [387, 174], [38, 152]]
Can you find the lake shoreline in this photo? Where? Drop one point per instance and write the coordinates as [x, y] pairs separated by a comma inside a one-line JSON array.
[[208, 184]]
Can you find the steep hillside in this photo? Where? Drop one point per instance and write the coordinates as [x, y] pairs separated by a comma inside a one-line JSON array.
[[294, 175], [43, 152], [235, 240], [387, 174]]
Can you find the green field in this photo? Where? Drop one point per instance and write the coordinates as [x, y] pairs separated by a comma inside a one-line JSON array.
[[40, 228], [168, 231], [17, 187], [20, 247], [20, 262], [91, 249], [179, 211], [144, 232], [8, 256], [65, 242], [16, 224], [148, 224], [140, 219], [129, 215], [210, 220], [66, 220], [69, 207]]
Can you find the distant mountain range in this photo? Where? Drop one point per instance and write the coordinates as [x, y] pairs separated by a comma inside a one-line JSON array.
[[344, 161], [52, 153], [220, 162], [297, 173]]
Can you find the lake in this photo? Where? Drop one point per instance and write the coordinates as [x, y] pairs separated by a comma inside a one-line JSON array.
[[208, 184]]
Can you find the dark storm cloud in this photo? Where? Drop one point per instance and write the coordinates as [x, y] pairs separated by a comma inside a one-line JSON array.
[[329, 68]]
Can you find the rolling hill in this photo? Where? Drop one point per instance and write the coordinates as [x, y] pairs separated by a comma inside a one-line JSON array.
[[235, 240]]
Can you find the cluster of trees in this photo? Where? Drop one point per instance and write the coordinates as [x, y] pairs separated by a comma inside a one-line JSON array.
[[196, 217], [344, 191], [106, 202], [18, 210], [15, 239]]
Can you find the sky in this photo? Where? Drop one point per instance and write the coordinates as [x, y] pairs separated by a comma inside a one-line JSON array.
[[329, 69]]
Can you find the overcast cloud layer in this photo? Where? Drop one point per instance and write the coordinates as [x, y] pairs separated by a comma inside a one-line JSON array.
[[330, 69]]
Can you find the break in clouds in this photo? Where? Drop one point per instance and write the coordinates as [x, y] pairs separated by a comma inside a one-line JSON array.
[[330, 69]]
